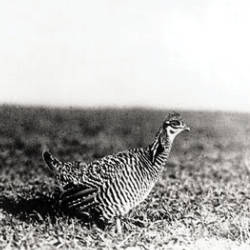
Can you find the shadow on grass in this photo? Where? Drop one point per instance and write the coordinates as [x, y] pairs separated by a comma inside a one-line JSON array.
[[32, 209], [44, 208]]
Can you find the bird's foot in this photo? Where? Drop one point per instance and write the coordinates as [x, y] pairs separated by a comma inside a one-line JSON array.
[[123, 224]]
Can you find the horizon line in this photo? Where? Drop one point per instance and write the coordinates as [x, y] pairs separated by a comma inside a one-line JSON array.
[[128, 107]]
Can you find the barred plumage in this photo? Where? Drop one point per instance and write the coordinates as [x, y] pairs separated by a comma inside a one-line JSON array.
[[112, 186]]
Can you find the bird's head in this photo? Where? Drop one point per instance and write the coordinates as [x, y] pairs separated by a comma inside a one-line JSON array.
[[174, 125]]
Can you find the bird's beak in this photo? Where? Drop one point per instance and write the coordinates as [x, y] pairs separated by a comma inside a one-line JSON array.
[[186, 128]]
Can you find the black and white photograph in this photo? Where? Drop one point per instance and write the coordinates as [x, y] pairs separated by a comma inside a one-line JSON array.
[[125, 124]]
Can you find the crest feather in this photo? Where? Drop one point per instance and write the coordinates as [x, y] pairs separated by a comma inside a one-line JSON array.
[[173, 116]]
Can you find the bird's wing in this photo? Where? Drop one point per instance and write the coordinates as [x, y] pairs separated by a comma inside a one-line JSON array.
[[83, 193], [79, 196]]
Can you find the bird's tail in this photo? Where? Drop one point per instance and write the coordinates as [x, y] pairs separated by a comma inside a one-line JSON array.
[[52, 162]]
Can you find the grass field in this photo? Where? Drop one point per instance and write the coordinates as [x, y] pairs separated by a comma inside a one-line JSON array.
[[202, 200]]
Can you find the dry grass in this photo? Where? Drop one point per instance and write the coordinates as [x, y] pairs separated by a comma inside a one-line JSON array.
[[201, 202]]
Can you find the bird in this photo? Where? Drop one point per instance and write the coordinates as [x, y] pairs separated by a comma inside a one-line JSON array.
[[108, 188]]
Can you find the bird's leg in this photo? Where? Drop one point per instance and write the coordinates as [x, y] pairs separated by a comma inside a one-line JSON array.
[[118, 225], [123, 223]]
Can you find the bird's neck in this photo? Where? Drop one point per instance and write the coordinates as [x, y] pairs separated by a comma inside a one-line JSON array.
[[159, 150]]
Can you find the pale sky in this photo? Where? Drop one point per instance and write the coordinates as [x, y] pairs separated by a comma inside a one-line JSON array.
[[165, 54]]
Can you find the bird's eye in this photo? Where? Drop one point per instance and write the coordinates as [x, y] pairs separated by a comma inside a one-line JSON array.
[[175, 123]]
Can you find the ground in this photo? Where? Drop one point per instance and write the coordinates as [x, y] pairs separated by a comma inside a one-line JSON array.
[[202, 200]]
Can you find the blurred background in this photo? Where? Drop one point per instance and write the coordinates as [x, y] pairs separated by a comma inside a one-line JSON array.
[[163, 54]]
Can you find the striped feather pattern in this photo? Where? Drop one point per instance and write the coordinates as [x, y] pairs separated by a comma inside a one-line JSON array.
[[116, 183]]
